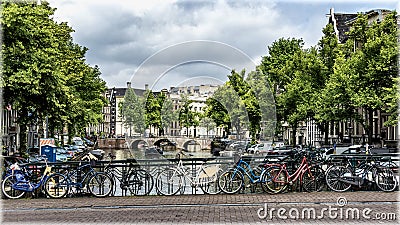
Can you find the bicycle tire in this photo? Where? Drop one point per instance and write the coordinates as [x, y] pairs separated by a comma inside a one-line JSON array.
[[169, 182], [333, 176], [266, 177], [277, 180], [385, 179], [100, 185], [56, 186], [315, 181], [8, 191], [231, 181], [140, 182], [209, 184]]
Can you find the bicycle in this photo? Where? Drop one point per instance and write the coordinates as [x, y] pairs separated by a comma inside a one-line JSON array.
[[277, 177], [342, 177], [98, 184], [233, 180], [137, 181], [18, 181], [171, 180]]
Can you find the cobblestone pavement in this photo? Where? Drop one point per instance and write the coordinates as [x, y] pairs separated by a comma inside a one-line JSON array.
[[299, 208]]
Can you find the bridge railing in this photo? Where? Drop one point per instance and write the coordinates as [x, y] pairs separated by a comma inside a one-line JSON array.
[[153, 166]]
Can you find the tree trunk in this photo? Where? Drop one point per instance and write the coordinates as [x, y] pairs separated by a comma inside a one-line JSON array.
[[326, 133], [22, 139], [294, 135], [370, 125]]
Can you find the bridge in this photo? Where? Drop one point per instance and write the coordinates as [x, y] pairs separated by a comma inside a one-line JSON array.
[[188, 143]]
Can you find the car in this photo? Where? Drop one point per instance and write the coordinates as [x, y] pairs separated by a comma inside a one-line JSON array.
[[88, 142], [251, 149], [77, 141], [282, 150], [239, 146], [62, 154], [34, 157]]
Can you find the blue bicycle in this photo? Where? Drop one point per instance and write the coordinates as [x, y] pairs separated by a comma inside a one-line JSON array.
[[232, 180], [18, 181]]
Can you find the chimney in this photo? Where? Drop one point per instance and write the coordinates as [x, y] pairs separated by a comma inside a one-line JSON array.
[[128, 84], [146, 87]]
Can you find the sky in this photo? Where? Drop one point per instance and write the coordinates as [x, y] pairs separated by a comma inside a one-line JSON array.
[[169, 43]]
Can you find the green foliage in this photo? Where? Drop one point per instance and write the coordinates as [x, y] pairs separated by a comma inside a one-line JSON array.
[[187, 117], [133, 112], [249, 100], [44, 72]]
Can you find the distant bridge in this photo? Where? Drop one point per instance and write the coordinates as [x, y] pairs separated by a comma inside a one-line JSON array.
[[181, 142]]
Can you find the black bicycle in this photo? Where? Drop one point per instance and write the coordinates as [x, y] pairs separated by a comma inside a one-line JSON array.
[[342, 177], [130, 178], [82, 179]]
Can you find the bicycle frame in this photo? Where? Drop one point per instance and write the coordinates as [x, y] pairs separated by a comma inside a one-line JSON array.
[[247, 170], [81, 182], [27, 186], [194, 180], [297, 174]]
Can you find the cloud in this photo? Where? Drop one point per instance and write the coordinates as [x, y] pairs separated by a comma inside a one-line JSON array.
[[121, 35]]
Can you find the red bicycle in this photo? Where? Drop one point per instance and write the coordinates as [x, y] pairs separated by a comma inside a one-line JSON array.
[[277, 177]]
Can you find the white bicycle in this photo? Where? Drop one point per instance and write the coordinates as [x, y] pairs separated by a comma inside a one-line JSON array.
[[172, 180]]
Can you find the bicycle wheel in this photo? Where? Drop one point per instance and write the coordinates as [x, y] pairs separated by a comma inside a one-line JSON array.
[[336, 178], [56, 186], [100, 184], [274, 180], [313, 180], [7, 189], [208, 180], [385, 179], [140, 182], [231, 181], [169, 182]]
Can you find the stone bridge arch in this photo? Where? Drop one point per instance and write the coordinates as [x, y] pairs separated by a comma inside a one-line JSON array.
[[181, 142]]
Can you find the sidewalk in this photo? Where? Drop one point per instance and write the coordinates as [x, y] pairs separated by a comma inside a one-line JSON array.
[[239, 208]]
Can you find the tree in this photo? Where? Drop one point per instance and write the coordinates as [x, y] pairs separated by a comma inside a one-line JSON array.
[[168, 115], [227, 109], [259, 85], [279, 74], [328, 52], [208, 123], [187, 117], [133, 112], [44, 72], [249, 100], [373, 66], [216, 111], [152, 110]]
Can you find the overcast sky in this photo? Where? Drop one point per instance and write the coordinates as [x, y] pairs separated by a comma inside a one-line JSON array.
[[169, 43]]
